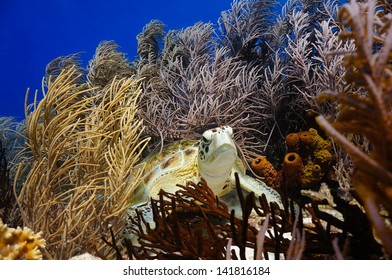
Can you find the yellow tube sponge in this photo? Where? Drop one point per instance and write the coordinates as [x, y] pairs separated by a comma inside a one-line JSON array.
[[20, 244], [312, 175], [321, 149], [315, 155]]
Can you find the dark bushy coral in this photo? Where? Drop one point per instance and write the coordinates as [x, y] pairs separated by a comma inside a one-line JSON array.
[[194, 224]]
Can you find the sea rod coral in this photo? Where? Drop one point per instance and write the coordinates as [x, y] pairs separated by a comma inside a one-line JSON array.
[[84, 146]]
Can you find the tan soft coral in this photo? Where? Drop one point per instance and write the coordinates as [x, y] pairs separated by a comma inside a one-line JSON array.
[[20, 244]]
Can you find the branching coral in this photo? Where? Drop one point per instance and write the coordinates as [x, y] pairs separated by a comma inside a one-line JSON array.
[[20, 244], [194, 224], [198, 87], [311, 67], [365, 109], [107, 64]]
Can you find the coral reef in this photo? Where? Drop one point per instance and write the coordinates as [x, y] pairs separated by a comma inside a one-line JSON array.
[[364, 109], [69, 166], [20, 244], [194, 224], [194, 80]]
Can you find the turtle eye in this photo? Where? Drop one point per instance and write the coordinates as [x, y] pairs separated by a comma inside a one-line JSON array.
[[207, 137], [229, 130]]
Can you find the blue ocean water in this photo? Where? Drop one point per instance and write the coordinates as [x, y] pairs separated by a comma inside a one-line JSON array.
[[35, 32]]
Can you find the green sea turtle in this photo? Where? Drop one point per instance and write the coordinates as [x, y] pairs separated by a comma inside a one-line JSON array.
[[214, 157]]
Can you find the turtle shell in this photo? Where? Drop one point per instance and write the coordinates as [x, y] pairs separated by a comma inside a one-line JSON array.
[[175, 164]]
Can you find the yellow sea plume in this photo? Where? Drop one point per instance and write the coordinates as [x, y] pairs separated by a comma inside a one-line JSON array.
[[84, 143], [20, 244]]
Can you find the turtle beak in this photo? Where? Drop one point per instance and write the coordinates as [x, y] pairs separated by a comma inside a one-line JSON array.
[[226, 148]]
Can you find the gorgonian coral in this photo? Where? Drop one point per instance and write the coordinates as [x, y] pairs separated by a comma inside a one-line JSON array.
[[84, 142], [258, 73]]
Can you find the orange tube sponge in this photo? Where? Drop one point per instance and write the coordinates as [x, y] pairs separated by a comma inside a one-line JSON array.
[[263, 168], [292, 170], [292, 142], [306, 143], [20, 244]]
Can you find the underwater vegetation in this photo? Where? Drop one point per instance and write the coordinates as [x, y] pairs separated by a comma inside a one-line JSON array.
[[308, 93]]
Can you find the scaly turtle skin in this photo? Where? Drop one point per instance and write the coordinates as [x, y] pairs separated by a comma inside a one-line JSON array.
[[214, 158]]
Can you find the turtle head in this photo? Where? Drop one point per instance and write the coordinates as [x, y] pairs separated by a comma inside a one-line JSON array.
[[217, 155]]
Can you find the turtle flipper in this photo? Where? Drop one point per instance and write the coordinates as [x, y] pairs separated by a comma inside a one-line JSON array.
[[258, 187]]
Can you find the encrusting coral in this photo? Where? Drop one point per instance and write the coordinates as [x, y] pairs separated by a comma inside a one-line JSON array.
[[20, 244]]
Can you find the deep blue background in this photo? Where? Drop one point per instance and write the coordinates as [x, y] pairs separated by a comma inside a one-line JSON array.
[[32, 33]]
